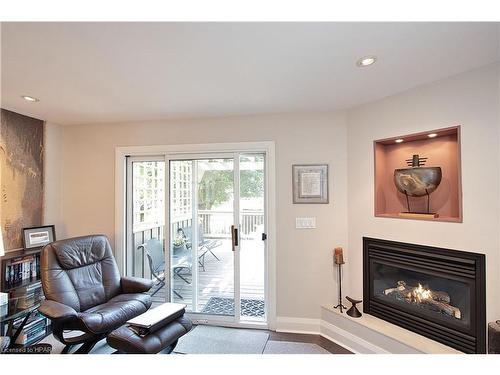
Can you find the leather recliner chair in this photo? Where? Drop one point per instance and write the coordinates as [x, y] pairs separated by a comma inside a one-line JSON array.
[[84, 291]]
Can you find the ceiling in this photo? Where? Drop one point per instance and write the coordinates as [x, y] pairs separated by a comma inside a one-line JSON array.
[[113, 72]]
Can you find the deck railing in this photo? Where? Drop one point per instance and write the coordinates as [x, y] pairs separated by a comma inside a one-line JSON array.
[[213, 223], [217, 224]]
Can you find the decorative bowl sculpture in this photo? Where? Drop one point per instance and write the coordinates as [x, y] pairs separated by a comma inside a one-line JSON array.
[[417, 181]]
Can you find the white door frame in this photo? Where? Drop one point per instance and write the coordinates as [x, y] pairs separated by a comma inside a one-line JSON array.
[[175, 151], [128, 215]]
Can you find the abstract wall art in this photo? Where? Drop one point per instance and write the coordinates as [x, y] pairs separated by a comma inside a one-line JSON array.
[[21, 175]]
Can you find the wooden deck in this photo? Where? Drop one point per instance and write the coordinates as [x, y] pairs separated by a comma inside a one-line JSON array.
[[217, 280]]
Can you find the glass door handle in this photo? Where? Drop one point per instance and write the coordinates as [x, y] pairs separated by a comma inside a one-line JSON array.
[[234, 237]]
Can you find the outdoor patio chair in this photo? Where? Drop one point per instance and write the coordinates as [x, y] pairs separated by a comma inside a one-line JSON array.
[[181, 261], [182, 264], [204, 245], [156, 260]]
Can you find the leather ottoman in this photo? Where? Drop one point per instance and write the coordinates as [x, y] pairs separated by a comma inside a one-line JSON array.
[[164, 340]]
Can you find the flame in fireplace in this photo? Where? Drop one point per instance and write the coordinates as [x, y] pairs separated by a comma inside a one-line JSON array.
[[430, 299], [420, 294]]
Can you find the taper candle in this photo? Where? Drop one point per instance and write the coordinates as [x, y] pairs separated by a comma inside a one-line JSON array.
[[338, 254]]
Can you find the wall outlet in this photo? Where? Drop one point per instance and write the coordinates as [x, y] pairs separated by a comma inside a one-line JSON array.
[[305, 222]]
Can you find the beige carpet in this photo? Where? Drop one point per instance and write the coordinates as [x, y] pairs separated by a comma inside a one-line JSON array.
[[218, 340]]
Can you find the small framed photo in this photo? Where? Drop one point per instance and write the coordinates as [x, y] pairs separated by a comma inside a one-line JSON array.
[[310, 183], [38, 236]]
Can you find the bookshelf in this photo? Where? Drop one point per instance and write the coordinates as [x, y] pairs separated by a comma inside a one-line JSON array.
[[20, 278]]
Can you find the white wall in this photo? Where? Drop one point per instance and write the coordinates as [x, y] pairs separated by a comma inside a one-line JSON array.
[[304, 275], [470, 100], [52, 210]]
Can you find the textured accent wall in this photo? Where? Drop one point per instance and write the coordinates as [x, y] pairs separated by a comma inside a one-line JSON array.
[[22, 175]]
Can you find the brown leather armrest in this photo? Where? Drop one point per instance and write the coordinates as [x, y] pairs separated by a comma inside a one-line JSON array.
[[135, 284], [56, 311]]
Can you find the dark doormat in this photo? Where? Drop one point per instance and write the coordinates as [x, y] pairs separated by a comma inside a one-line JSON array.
[[225, 306]]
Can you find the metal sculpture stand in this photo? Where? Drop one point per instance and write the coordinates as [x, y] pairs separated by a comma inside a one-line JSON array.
[[428, 201], [340, 305]]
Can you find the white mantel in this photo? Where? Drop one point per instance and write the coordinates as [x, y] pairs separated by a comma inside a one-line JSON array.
[[369, 334]]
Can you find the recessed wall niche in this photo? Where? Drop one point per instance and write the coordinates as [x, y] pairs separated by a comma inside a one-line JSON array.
[[442, 149]]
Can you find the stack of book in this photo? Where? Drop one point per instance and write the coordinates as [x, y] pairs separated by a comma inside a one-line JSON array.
[[22, 268], [27, 296], [4, 298], [34, 329], [20, 280]]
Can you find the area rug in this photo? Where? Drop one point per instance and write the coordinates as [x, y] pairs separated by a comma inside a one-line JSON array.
[[285, 347], [225, 306], [219, 340]]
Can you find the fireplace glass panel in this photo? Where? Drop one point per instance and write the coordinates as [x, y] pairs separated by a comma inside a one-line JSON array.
[[438, 298]]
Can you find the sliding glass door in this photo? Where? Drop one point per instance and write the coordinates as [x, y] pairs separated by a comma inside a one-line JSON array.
[[196, 225], [252, 246], [145, 222], [217, 235], [201, 251]]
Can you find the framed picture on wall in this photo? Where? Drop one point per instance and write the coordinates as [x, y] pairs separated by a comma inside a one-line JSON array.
[[36, 237], [310, 183]]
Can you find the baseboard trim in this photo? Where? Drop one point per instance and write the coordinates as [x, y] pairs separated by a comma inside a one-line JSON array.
[[328, 331], [349, 341], [298, 325]]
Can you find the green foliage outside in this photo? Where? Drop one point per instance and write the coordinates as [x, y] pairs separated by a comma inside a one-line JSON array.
[[216, 187]]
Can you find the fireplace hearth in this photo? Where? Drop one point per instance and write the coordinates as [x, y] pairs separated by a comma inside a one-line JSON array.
[[438, 293]]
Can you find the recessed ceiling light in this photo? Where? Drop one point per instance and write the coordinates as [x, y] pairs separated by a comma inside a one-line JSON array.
[[399, 140], [366, 61], [30, 98], [432, 135]]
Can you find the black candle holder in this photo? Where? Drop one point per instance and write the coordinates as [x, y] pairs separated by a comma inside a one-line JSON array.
[[353, 311], [340, 306]]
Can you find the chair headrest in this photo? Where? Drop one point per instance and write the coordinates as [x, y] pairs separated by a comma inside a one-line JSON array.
[[81, 251]]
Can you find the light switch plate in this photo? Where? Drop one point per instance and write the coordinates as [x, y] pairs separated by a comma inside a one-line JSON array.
[[305, 222]]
